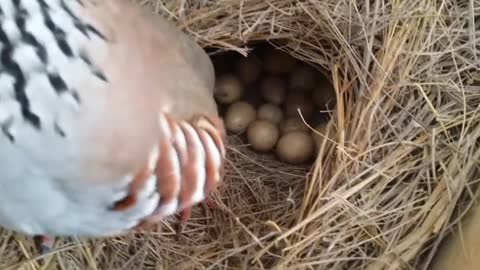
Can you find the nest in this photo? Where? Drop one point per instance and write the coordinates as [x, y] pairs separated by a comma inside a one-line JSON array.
[[393, 177]]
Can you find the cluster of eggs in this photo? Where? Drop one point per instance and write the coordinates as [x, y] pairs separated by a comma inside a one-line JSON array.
[[274, 99]]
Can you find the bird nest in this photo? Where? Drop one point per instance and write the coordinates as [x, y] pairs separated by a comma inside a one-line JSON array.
[[394, 176]]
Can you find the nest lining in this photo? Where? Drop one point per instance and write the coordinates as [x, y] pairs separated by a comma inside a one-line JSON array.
[[384, 189]]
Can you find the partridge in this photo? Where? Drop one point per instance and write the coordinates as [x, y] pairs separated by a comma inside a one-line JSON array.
[[107, 119]]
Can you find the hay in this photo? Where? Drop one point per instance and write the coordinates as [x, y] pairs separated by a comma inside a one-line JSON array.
[[383, 192]]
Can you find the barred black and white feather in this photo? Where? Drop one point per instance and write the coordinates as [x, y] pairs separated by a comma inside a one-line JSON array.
[[86, 88]]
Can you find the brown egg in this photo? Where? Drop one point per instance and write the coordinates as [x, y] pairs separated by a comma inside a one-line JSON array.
[[270, 112], [277, 61], [299, 100], [293, 124], [228, 89], [252, 96], [273, 90], [238, 116], [248, 69], [262, 135], [295, 147], [303, 78], [323, 95]]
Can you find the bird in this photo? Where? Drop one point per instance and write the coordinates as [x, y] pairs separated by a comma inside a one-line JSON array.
[[107, 117]]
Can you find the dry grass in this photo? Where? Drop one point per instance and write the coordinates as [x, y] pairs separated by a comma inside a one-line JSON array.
[[384, 191]]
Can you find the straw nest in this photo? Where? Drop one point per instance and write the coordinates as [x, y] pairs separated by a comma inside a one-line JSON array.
[[387, 186]]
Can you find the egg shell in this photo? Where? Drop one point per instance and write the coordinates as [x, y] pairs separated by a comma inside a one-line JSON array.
[[273, 90], [228, 89], [248, 69], [299, 100], [238, 116], [291, 124], [262, 135], [295, 147], [303, 78], [270, 112], [252, 96]]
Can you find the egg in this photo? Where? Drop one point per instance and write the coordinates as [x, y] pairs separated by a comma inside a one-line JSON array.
[[299, 100], [270, 112], [323, 95], [252, 96], [295, 147], [228, 89], [273, 90], [262, 135], [238, 116], [248, 69], [277, 62], [302, 78], [293, 124]]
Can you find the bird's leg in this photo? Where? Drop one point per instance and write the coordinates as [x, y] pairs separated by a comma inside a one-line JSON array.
[[44, 243]]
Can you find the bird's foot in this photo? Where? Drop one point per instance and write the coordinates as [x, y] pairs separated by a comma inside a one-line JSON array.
[[44, 243]]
